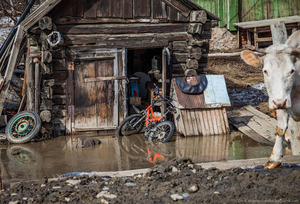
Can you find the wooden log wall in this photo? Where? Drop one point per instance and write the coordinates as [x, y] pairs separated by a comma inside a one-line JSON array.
[[190, 56]]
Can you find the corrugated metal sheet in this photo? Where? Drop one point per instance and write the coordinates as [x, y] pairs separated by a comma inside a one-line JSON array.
[[234, 11]]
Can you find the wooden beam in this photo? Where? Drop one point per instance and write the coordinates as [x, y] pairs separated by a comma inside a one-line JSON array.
[[125, 28], [279, 34], [11, 65], [36, 85], [104, 79]]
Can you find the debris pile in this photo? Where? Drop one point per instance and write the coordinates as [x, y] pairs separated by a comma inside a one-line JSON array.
[[222, 39]]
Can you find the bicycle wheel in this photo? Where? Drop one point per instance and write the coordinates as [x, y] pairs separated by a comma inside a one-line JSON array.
[[22, 127], [131, 125], [163, 131]]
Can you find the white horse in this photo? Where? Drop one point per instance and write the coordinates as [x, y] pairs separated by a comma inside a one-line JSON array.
[[281, 70]]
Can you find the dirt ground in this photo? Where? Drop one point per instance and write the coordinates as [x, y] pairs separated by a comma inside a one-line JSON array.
[[240, 79], [179, 180]]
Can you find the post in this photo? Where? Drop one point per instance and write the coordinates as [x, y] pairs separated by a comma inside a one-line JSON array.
[[36, 85], [164, 79], [29, 84], [279, 34]]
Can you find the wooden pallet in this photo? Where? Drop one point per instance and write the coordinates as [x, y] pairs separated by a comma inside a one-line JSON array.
[[255, 124]]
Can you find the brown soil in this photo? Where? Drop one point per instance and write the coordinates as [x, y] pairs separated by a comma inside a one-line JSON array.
[[178, 180], [239, 77]]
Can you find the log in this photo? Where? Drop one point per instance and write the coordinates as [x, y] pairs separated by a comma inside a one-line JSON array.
[[45, 23], [29, 84], [194, 52], [135, 28], [45, 116], [195, 28], [190, 72], [36, 84], [192, 64], [179, 46], [199, 16], [195, 40], [179, 57]]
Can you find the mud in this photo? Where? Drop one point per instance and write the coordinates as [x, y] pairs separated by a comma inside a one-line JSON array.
[[179, 180]]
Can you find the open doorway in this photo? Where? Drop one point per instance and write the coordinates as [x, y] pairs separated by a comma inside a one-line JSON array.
[[144, 69]]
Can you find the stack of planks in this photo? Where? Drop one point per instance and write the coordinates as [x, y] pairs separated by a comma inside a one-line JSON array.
[[255, 124]]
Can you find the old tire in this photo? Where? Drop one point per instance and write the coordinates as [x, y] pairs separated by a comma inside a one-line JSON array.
[[163, 131], [126, 127], [22, 127]]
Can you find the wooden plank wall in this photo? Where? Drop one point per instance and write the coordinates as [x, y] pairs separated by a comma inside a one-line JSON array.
[[118, 9], [199, 122], [233, 11]]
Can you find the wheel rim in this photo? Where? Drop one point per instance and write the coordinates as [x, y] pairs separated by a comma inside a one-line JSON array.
[[162, 131], [128, 128], [22, 125]]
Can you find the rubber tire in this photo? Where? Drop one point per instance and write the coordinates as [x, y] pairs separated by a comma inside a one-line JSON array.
[[32, 133], [172, 128], [119, 130]]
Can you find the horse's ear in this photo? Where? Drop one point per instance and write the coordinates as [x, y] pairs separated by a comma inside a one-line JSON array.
[[251, 58]]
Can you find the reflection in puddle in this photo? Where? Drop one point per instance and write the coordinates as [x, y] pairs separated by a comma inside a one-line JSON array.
[[57, 156]]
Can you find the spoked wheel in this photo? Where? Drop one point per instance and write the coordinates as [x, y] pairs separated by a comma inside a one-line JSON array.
[[163, 131], [131, 125], [22, 127]]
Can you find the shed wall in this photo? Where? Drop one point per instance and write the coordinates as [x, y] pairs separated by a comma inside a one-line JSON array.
[[234, 11]]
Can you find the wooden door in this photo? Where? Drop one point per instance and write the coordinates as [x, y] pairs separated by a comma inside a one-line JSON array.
[[98, 79]]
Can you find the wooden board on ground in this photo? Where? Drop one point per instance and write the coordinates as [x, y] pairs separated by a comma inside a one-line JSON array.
[[247, 162], [255, 124]]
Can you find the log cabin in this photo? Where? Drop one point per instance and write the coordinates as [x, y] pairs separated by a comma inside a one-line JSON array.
[[82, 54]]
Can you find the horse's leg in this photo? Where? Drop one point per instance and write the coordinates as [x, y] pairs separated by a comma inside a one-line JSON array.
[[282, 124]]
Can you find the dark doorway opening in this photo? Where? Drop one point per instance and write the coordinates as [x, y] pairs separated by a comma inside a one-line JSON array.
[[144, 67]]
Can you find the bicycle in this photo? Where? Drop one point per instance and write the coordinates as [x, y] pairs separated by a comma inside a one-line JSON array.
[[157, 128]]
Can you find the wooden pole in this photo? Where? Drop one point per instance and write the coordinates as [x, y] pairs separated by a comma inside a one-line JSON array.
[[36, 84], [29, 84], [164, 79]]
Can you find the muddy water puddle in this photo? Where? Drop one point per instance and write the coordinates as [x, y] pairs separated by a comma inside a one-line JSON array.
[[57, 156]]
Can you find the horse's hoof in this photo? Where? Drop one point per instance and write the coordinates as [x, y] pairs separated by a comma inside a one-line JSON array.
[[272, 164]]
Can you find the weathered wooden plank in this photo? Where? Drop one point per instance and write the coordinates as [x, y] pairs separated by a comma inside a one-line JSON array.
[[122, 28], [214, 122], [179, 6], [34, 17], [279, 33], [117, 8], [11, 64], [128, 8], [159, 9], [104, 9], [203, 128], [126, 41], [256, 122], [272, 121], [105, 78], [73, 20], [141, 8], [294, 132], [251, 133], [90, 8]]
